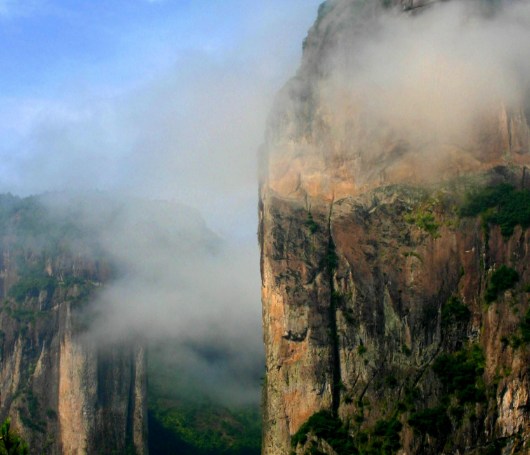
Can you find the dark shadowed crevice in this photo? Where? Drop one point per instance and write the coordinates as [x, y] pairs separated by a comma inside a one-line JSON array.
[[331, 262], [129, 432]]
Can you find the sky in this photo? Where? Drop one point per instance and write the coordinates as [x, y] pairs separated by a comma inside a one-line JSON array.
[[168, 100], [164, 100]]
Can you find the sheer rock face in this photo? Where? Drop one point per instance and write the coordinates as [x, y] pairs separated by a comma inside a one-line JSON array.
[[326, 141], [65, 394], [353, 293]]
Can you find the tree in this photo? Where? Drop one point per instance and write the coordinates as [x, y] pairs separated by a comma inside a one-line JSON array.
[[10, 441]]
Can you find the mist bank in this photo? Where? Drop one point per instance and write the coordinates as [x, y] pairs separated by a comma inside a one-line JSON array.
[[171, 284], [385, 96]]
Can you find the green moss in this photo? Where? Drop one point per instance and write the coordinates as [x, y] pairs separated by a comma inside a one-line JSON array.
[[455, 312], [500, 205], [502, 279], [361, 349]]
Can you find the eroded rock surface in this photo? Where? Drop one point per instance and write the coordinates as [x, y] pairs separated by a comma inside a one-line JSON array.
[[362, 254], [66, 392]]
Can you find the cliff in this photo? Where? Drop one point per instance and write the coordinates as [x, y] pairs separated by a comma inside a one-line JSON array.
[[65, 393], [394, 262]]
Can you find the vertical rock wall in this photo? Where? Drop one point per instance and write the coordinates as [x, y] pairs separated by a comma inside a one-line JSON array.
[[65, 393], [354, 287]]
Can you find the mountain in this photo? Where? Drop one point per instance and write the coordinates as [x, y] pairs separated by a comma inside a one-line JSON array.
[[91, 359], [394, 240], [63, 392]]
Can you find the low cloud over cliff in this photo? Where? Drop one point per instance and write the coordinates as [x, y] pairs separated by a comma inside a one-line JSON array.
[[172, 108], [431, 77]]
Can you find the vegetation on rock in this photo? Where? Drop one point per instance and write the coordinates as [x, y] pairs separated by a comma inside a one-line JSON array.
[[382, 439], [459, 373], [191, 423], [502, 279], [454, 312], [501, 205], [433, 422], [10, 441], [313, 228]]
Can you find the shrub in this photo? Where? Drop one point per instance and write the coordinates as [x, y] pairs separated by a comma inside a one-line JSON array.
[[323, 11], [391, 381], [31, 286], [454, 312], [70, 281], [502, 279], [408, 254], [427, 223], [433, 422], [386, 436], [325, 426], [501, 205], [10, 441], [310, 223], [332, 259], [459, 373], [384, 439]]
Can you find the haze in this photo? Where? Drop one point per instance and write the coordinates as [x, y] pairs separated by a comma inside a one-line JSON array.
[[168, 100]]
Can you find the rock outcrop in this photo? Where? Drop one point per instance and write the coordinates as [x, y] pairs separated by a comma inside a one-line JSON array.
[[66, 393], [378, 287]]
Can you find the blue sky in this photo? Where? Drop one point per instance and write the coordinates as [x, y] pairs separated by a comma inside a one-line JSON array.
[[166, 100], [160, 99]]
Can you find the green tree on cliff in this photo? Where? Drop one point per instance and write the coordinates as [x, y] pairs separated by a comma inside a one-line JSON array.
[[10, 441]]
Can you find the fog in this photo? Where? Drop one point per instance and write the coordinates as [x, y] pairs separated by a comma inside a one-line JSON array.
[[190, 294], [187, 135], [429, 79], [174, 152]]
